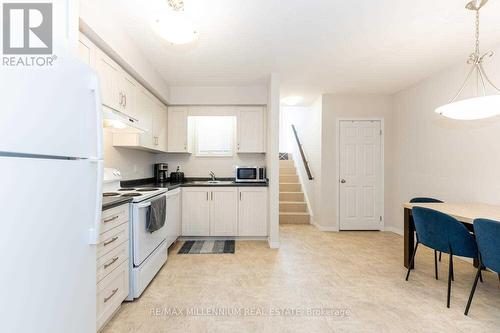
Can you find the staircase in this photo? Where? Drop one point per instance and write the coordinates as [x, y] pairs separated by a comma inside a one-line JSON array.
[[293, 208]]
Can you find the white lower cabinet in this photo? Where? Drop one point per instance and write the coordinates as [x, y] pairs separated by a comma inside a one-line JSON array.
[[112, 263], [224, 211], [174, 223], [195, 211], [252, 211]]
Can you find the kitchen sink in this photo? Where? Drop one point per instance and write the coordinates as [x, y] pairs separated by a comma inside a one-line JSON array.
[[214, 182]]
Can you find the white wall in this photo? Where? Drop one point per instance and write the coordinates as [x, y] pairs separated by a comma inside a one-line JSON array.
[[438, 157], [272, 158], [308, 122], [133, 163], [199, 166], [234, 95], [351, 106]]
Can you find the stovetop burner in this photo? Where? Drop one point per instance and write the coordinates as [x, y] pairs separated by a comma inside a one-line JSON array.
[[131, 195], [146, 189], [127, 189], [110, 194]]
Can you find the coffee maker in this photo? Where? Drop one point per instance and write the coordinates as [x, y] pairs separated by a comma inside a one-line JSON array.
[[161, 172]]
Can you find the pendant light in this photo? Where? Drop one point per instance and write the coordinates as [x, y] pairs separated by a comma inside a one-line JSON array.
[[482, 105], [174, 26]]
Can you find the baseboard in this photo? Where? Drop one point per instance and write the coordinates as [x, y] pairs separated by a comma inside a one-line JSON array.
[[394, 230], [322, 228], [273, 245]]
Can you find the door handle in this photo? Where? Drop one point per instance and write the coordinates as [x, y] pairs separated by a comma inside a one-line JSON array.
[[342, 181]]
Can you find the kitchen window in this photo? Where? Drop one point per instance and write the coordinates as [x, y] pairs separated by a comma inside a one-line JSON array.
[[214, 135]]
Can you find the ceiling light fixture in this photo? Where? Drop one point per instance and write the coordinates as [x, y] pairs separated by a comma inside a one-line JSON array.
[[292, 100], [482, 105], [175, 26]]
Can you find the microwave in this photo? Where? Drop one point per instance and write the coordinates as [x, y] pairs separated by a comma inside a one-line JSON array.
[[250, 174]]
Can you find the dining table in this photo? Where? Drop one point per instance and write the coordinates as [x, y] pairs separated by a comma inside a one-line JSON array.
[[465, 213]]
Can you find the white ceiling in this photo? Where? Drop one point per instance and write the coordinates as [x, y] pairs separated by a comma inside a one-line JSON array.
[[329, 46]]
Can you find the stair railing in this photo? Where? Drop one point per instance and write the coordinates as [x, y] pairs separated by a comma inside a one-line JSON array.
[[302, 154]]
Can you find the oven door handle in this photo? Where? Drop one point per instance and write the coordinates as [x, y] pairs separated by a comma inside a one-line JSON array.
[[144, 205]]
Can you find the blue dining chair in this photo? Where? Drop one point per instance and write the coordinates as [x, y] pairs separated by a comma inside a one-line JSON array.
[[444, 233], [487, 235], [429, 200]]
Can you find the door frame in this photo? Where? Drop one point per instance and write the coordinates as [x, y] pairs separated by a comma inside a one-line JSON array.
[[382, 166]]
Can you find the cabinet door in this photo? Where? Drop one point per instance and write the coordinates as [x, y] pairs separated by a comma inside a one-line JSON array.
[[195, 211], [251, 130], [145, 107], [173, 216], [129, 89], [86, 50], [252, 211], [109, 74], [160, 126], [224, 211], [177, 129]]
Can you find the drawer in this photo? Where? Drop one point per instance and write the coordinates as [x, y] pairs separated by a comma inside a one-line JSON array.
[[113, 217], [111, 292], [108, 262], [111, 239]]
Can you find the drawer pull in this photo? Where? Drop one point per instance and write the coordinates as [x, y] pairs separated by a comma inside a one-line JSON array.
[[110, 296], [111, 219], [110, 241], [111, 262]]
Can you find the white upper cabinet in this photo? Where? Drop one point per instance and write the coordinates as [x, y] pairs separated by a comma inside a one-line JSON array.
[[109, 77], [252, 211], [178, 136], [128, 88], [86, 51], [223, 211], [251, 131], [160, 122]]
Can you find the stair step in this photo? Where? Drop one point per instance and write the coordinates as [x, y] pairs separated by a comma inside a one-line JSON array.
[[287, 171], [294, 218], [286, 164], [293, 206], [290, 187], [291, 196], [289, 179]]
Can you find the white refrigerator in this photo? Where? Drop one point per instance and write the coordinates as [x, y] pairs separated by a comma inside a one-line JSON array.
[[50, 197]]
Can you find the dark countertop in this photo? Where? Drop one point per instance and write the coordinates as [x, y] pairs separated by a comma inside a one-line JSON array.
[[189, 182], [110, 202]]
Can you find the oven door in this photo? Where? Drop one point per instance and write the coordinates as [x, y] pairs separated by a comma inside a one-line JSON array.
[[145, 242], [247, 174]]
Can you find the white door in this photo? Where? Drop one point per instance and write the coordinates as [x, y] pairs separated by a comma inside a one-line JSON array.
[[128, 87], [252, 211], [251, 130], [223, 211], [177, 129], [195, 211], [360, 183], [160, 126]]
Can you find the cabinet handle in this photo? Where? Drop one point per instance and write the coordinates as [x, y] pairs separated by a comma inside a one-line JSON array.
[[110, 241], [240, 196], [125, 97], [111, 262], [212, 196], [110, 296], [111, 219], [238, 146], [121, 98], [207, 196]]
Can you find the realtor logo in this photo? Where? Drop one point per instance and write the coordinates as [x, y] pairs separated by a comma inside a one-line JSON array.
[[27, 28]]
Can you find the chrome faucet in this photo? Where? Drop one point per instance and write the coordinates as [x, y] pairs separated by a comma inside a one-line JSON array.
[[212, 174]]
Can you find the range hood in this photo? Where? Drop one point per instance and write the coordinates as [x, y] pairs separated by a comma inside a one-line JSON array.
[[119, 121]]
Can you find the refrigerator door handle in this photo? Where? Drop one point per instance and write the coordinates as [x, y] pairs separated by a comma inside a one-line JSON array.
[[144, 205], [98, 116], [95, 230]]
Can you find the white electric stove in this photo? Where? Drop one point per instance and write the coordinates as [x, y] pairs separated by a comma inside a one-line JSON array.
[[148, 250]]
